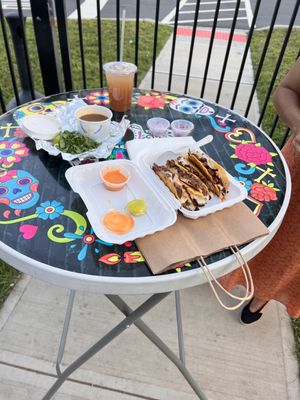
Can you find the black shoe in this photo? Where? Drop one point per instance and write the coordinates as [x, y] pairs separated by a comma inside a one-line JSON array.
[[248, 317]]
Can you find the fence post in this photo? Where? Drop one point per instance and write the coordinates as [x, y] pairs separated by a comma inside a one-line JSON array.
[[43, 21], [62, 26], [25, 95]]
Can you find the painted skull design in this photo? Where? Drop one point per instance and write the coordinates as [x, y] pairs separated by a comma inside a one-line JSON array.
[[186, 106], [191, 106], [18, 189]]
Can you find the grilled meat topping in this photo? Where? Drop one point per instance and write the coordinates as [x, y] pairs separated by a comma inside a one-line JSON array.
[[193, 179]]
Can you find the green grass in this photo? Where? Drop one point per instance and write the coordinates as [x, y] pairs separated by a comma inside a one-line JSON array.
[[262, 89], [8, 275], [296, 326], [109, 51], [270, 62]]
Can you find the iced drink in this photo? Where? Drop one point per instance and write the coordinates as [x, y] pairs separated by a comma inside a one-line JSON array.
[[119, 78]]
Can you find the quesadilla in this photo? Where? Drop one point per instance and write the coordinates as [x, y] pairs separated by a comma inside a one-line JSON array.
[[197, 190], [193, 179], [212, 171], [186, 165], [184, 193]]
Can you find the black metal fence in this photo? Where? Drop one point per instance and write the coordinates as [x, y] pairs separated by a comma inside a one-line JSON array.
[[52, 41]]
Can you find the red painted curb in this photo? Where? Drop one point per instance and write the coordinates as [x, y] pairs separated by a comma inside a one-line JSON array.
[[207, 34]]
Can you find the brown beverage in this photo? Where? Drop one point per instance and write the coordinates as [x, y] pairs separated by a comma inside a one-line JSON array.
[[119, 78], [93, 117]]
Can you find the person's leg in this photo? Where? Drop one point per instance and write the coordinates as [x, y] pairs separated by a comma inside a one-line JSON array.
[[257, 304]]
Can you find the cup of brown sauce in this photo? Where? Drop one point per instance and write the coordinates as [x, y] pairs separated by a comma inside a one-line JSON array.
[[94, 122]]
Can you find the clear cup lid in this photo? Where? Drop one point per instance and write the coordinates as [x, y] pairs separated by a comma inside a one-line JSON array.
[[182, 125], [119, 67]]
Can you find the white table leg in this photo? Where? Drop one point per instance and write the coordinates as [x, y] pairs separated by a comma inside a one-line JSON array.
[[126, 310], [131, 317], [179, 326], [106, 339], [64, 334]]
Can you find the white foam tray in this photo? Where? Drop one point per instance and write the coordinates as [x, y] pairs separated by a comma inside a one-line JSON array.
[[85, 180], [145, 160]]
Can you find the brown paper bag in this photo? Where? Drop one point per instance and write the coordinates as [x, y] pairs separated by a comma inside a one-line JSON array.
[[189, 239]]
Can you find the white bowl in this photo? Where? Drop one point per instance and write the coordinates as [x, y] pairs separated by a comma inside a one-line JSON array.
[[40, 126]]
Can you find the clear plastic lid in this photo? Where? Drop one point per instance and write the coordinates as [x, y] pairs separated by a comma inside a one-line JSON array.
[[42, 124], [119, 68]]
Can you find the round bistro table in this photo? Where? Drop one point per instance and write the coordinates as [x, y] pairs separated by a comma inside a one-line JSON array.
[[45, 233]]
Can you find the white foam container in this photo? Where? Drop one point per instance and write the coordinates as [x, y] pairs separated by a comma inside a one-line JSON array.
[[85, 180], [236, 192], [162, 206]]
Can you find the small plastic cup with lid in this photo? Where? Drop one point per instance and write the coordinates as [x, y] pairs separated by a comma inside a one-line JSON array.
[[181, 127], [158, 126], [44, 127], [114, 177]]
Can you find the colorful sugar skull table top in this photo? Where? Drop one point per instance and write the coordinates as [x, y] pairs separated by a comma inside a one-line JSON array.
[[44, 228]]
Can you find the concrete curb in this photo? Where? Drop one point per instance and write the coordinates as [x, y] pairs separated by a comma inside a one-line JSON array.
[[14, 297], [288, 347]]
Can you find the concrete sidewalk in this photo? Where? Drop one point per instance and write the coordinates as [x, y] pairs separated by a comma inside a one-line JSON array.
[[201, 45], [228, 360]]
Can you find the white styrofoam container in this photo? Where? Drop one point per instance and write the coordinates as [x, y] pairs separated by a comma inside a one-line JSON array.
[[85, 180], [236, 192]]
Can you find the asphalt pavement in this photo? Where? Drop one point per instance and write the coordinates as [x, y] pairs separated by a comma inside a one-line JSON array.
[[187, 8], [206, 12], [147, 8], [284, 13], [11, 6]]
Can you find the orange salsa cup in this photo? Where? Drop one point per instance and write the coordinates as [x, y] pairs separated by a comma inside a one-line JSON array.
[[114, 177]]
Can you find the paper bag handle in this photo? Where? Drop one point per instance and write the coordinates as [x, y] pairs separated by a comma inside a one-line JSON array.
[[247, 275]]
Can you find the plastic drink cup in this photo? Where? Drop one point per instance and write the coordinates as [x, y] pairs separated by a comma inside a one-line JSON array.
[[119, 78]]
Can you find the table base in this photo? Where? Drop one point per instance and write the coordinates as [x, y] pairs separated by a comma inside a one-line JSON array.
[[131, 317]]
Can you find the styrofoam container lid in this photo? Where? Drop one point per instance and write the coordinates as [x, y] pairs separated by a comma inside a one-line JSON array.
[[40, 126]]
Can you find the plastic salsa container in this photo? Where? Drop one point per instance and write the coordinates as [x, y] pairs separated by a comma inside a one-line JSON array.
[[114, 177]]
